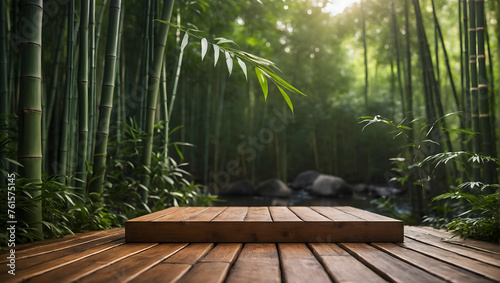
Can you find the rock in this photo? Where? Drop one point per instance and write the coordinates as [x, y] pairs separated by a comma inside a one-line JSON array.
[[330, 186], [304, 180], [273, 188], [361, 188], [379, 191], [239, 188]]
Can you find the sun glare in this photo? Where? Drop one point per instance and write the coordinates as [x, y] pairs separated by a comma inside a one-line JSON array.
[[335, 7]]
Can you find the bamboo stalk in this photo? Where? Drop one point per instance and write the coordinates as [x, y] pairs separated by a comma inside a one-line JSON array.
[[153, 86], [30, 111], [83, 98], [92, 81], [106, 105], [484, 98], [65, 132]]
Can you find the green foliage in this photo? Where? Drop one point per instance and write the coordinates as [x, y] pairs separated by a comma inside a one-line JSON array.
[[264, 68]]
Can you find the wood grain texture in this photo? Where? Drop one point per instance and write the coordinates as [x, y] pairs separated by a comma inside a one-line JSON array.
[[255, 263], [341, 266], [300, 265], [266, 224], [388, 267]]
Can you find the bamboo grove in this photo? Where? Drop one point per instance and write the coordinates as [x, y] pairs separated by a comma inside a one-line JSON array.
[[96, 93]]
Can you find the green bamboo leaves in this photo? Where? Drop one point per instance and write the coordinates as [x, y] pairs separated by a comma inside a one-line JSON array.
[[264, 68]]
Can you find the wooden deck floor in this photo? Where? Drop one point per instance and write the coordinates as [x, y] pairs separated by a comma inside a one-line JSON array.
[[426, 255]]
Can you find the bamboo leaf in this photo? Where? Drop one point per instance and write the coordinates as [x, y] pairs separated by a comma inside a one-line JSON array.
[[263, 81], [184, 41], [204, 48], [221, 40], [216, 54], [287, 99], [229, 62], [244, 68]]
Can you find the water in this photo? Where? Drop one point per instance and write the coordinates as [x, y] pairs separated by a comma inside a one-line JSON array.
[[402, 203]]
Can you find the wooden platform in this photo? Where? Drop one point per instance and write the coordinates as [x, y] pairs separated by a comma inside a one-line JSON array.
[[276, 224], [427, 255]]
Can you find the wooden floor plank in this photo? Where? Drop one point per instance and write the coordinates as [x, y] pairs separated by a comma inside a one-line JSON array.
[[460, 261], [255, 263], [283, 214], [438, 268], [334, 214], [450, 238], [180, 214], [260, 214], [63, 252], [307, 214], [206, 272], [81, 268], [37, 250], [163, 272], [223, 253], [175, 266], [46, 266], [300, 265], [486, 257], [190, 254], [207, 215], [232, 214], [387, 266], [132, 266], [343, 267]]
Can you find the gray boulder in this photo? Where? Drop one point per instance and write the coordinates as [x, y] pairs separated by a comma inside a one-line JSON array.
[[304, 180], [239, 188], [330, 186], [273, 188]]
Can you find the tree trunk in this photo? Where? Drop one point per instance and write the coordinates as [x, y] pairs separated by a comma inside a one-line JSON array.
[[30, 110]]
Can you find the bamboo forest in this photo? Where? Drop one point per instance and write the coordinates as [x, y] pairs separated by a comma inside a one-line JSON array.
[[114, 109]]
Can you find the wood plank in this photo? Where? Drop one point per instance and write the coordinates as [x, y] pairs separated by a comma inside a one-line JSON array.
[[81, 268], [132, 266], [335, 214], [157, 214], [42, 267], [438, 268], [365, 215], [179, 214], [260, 214], [460, 261], [256, 262], [207, 215], [175, 266], [486, 257], [190, 254], [283, 214], [23, 263], [52, 246], [163, 272], [307, 214], [223, 253], [450, 237], [341, 266], [388, 267], [236, 213], [300, 265], [206, 272]]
